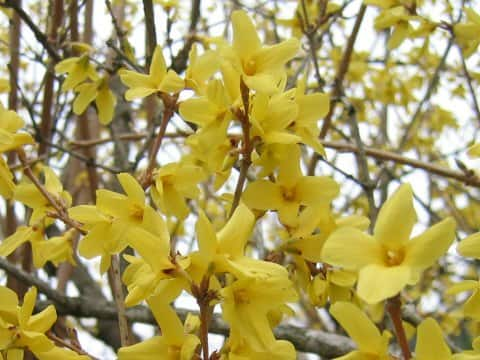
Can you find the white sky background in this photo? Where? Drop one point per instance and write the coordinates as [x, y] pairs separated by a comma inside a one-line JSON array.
[[451, 141]]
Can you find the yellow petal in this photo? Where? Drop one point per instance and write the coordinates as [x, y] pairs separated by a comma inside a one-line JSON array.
[[153, 348], [471, 308], [21, 235], [167, 318], [207, 239], [245, 39], [430, 342], [462, 286], [423, 250], [86, 94], [26, 309], [171, 83], [470, 246], [358, 326], [314, 189], [106, 102], [377, 283], [263, 195], [44, 320], [132, 188], [235, 234], [351, 249], [139, 92], [276, 56], [158, 68], [388, 229]]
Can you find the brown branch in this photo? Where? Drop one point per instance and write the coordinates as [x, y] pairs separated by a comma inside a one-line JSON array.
[[394, 309], [117, 289], [342, 71], [48, 91], [170, 104], [468, 77], [39, 35], [468, 179], [150, 31], [247, 146]]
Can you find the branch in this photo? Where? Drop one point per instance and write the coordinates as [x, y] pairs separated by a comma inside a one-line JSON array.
[[466, 178], [40, 36], [342, 71], [307, 340]]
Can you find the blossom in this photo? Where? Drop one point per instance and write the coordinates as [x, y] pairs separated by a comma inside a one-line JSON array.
[[158, 80], [173, 344], [371, 344], [290, 191], [261, 67], [389, 260], [79, 69], [103, 96]]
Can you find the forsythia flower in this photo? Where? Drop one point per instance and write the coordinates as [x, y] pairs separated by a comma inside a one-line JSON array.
[[56, 249], [174, 183], [173, 344], [158, 80], [28, 194], [247, 304], [10, 123], [79, 69], [430, 342], [261, 67], [20, 330], [389, 260], [371, 344], [290, 191], [103, 96]]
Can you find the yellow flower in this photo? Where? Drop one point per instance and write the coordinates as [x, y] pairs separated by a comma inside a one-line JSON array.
[[158, 80], [471, 307], [10, 124], [56, 249], [28, 194], [247, 304], [4, 85], [389, 260], [311, 108], [467, 33], [290, 191], [103, 96], [7, 185], [79, 69], [261, 67], [174, 343], [200, 69], [270, 117], [174, 183], [430, 342], [211, 112], [371, 344], [470, 246]]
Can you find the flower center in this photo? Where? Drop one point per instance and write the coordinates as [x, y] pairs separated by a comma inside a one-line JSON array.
[[136, 212], [288, 193], [241, 297], [250, 67], [394, 257]]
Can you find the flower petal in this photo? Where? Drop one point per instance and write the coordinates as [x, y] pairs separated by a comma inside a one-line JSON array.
[[377, 283], [470, 246], [430, 342], [396, 218], [423, 250], [358, 326], [245, 38], [352, 249]]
